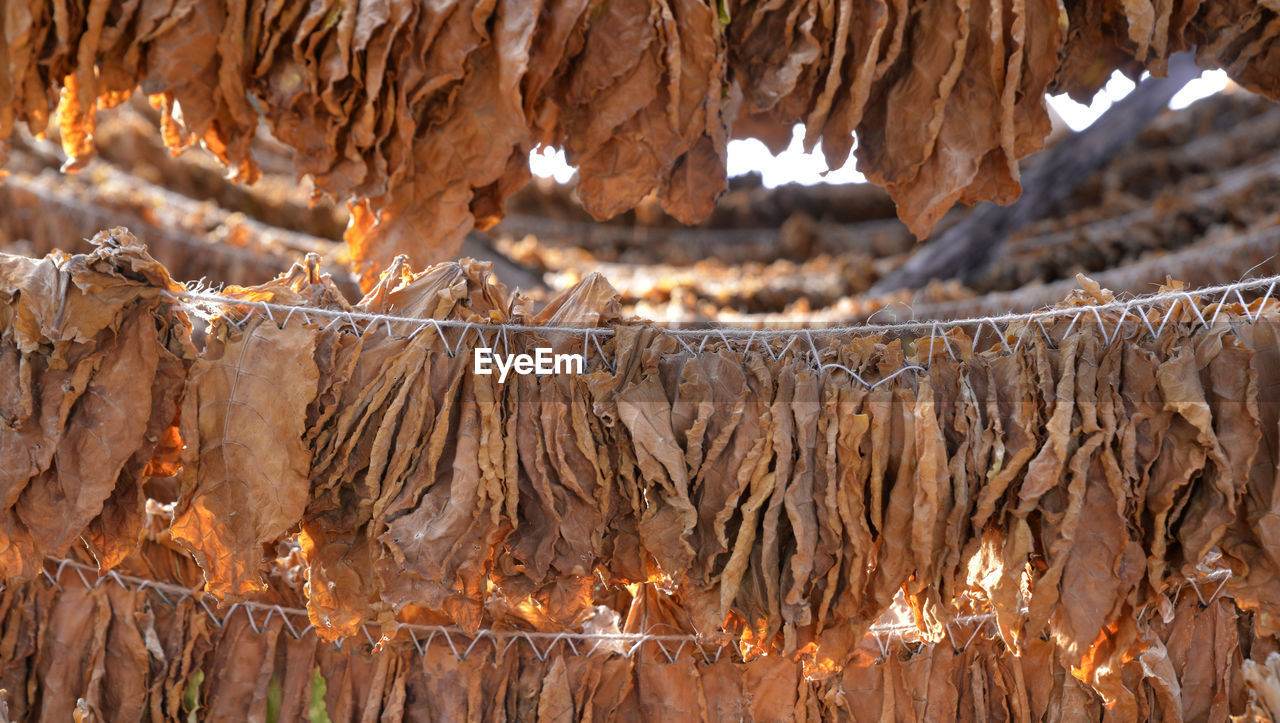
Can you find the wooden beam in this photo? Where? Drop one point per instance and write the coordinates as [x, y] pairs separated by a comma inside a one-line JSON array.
[[509, 272]]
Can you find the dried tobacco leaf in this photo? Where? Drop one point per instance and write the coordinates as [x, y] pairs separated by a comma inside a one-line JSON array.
[[245, 469]]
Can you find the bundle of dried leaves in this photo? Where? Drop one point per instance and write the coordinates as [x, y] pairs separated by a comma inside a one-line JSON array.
[[422, 115], [1066, 477], [93, 358], [113, 653]]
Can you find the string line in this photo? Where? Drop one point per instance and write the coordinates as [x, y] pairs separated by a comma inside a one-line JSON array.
[[625, 644], [194, 299]]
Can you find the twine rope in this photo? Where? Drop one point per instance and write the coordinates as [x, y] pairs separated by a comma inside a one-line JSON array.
[[461, 643], [201, 301]]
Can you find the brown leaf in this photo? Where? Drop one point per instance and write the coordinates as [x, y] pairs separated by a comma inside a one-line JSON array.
[[245, 469]]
